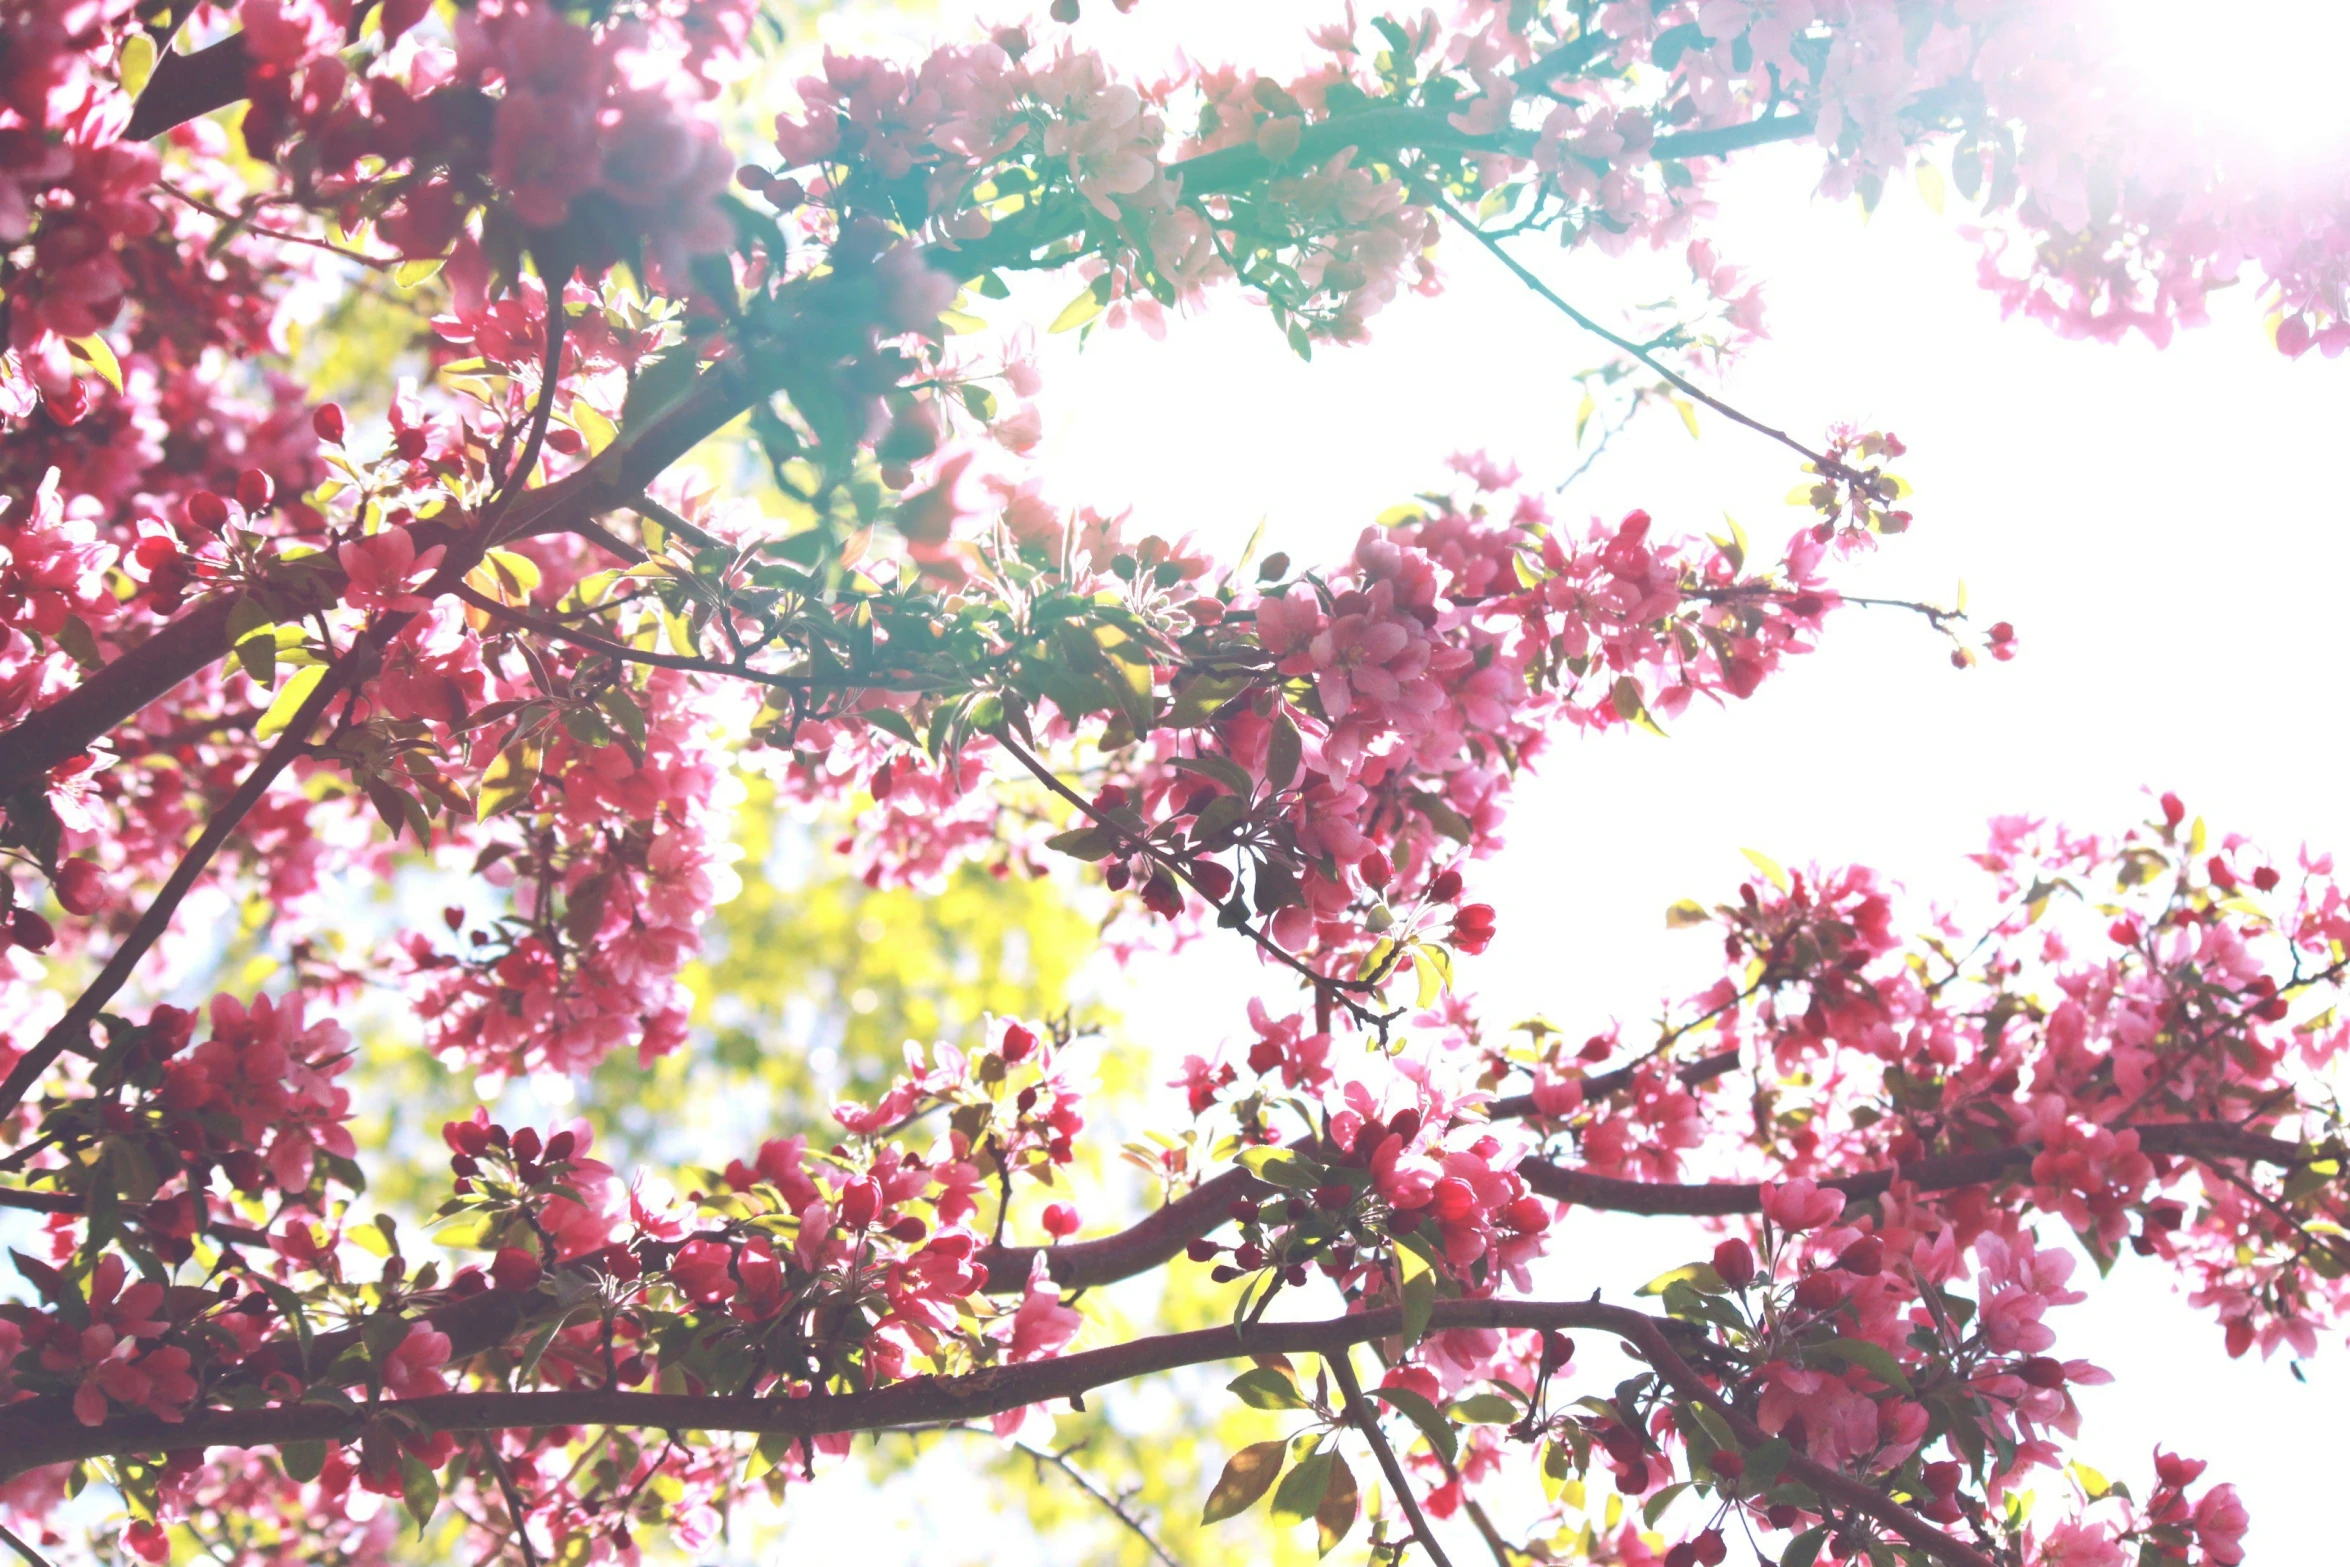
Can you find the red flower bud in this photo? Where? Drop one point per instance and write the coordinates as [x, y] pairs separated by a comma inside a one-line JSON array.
[[526, 1143], [1203, 1251], [560, 1146], [326, 422], [1375, 870], [31, 932], [1060, 1220], [1865, 1256], [2174, 810], [1727, 1464], [1445, 888], [1734, 1261], [1818, 1292], [515, 1269], [255, 490], [2041, 1371], [81, 887], [208, 511], [1018, 1042], [859, 1202]]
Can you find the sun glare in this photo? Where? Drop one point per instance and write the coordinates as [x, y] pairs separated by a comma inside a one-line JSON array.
[[2266, 80]]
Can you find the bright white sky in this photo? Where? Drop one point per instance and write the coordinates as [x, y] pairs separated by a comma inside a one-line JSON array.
[[2164, 529]]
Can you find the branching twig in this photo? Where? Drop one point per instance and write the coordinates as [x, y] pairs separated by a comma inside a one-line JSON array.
[[74, 1027], [1819, 460], [1324, 985], [1116, 1508]]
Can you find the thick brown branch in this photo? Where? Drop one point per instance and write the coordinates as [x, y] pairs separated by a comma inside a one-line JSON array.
[[1159, 1237], [67, 1202], [1136, 1249], [33, 1435], [2205, 1140]]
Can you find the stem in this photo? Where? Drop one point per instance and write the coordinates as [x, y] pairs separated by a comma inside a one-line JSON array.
[[1367, 1422]]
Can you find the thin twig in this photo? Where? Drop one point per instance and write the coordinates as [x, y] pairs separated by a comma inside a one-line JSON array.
[[1323, 984], [1365, 1420], [1116, 1509], [17, 1545], [74, 1027], [514, 1507], [1819, 460], [222, 214]]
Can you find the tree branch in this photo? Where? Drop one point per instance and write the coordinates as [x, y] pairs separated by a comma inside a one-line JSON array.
[[2208, 1141], [38, 1433], [74, 1027], [1644, 1332]]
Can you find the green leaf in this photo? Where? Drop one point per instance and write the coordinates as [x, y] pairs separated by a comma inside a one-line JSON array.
[[1282, 1167], [1438, 1430], [1485, 1409], [1419, 1304], [1699, 1276], [1341, 1506], [410, 273], [1084, 843], [1662, 1500], [1687, 912], [1266, 1388], [1768, 866], [1875, 1359], [79, 643], [1283, 753], [1804, 1549], [1078, 311], [259, 656], [93, 351], [420, 1489], [655, 391], [537, 1348], [288, 701], [1302, 1489], [1247, 1476], [302, 1460]]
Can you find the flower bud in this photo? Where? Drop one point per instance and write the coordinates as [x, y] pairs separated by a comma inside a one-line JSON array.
[[515, 1269], [1734, 1261], [326, 422], [81, 887]]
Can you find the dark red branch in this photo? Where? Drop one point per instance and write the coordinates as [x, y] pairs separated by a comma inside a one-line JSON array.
[[2203, 1140]]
